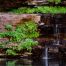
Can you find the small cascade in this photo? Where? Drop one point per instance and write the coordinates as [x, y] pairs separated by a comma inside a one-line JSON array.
[[45, 62], [56, 32], [45, 57], [45, 54]]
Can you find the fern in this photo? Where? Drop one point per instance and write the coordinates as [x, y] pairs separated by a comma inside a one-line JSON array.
[[10, 52], [23, 35]]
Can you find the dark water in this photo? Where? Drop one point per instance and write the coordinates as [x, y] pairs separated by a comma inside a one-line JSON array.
[[28, 62]]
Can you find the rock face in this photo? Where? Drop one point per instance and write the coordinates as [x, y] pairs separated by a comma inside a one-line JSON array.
[[3, 40], [15, 19], [47, 19], [9, 4]]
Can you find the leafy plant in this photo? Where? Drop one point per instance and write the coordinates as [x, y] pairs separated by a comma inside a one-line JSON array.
[[8, 27], [23, 35], [55, 1], [27, 44], [11, 52], [1, 45], [29, 29], [40, 9]]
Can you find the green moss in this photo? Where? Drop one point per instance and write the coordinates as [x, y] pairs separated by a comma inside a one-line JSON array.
[[40, 9]]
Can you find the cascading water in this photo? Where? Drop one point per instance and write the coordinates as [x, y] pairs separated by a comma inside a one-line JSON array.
[[45, 56], [45, 62], [56, 31]]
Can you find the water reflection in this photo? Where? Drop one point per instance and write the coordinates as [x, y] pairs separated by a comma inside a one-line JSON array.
[[27, 62]]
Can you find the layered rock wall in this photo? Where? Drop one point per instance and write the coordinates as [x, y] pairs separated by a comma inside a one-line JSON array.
[[15, 19]]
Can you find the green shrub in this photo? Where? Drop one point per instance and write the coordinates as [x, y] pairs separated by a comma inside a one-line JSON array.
[[40, 9], [55, 1], [27, 44], [23, 35], [26, 30], [10, 52], [8, 27]]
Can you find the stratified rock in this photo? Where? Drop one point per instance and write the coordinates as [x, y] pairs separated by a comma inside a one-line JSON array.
[[3, 40], [15, 19]]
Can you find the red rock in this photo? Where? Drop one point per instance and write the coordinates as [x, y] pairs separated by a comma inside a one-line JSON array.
[[15, 19]]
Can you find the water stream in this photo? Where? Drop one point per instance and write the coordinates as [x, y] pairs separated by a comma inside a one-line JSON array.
[[45, 53], [56, 32]]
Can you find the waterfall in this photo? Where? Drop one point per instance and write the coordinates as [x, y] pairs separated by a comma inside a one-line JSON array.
[[45, 62], [46, 53], [56, 31], [45, 56]]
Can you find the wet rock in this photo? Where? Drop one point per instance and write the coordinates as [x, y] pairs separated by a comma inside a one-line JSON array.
[[37, 52]]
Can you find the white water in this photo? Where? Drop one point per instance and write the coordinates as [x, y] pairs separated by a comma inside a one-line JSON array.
[[46, 53], [56, 41], [45, 57], [46, 62]]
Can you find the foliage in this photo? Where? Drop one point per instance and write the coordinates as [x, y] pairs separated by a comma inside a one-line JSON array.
[[1, 45], [23, 35], [26, 30], [40, 9], [27, 44], [55, 1], [8, 27], [11, 52]]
